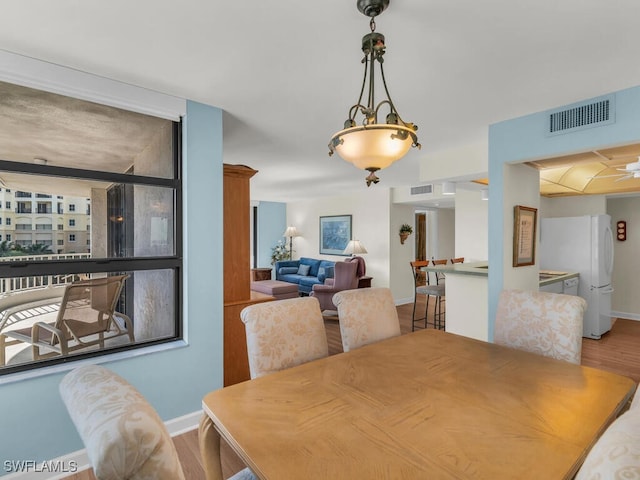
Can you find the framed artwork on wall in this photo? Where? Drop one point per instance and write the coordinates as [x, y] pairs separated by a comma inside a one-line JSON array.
[[524, 235], [335, 233]]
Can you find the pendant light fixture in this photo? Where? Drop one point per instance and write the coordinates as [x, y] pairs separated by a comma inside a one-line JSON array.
[[370, 145]]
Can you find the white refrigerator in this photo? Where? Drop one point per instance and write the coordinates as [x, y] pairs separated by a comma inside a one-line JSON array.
[[584, 245]]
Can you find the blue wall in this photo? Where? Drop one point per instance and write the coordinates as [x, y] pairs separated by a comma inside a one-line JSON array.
[[272, 222], [34, 422], [525, 138]]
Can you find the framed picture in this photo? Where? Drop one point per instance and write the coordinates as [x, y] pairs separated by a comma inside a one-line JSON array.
[[335, 233], [524, 235]]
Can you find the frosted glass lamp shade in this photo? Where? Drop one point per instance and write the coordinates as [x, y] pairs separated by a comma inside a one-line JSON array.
[[374, 146]]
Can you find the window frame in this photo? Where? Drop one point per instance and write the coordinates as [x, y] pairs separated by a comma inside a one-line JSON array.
[[109, 265]]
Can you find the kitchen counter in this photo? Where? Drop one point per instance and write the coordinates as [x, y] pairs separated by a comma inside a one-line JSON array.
[[548, 277], [482, 269], [471, 268]]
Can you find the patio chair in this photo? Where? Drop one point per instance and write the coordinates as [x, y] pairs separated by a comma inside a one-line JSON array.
[[86, 318]]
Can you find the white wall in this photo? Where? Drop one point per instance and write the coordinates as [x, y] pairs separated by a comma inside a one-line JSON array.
[[626, 300], [465, 162], [370, 224], [573, 206], [471, 226], [400, 255], [446, 233]]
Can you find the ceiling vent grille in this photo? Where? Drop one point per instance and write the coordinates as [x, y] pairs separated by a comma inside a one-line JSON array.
[[421, 189], [592, 114]]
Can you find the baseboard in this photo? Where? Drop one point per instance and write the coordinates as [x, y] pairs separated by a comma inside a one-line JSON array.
[[403, 301], [625, 315], [74, 462]]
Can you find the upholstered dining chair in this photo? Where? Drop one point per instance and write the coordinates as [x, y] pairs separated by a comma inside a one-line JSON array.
[[366, 315], [124, 436], [616, 454], [283, 334], [548, 324], [344, 278]]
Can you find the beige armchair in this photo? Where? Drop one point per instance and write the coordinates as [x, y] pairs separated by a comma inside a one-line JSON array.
[[548, 324], [367, 315]]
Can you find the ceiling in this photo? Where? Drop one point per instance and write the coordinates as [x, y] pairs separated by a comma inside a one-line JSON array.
[[286, 75]]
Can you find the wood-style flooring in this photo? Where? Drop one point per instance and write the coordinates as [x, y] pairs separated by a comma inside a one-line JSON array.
[[617, 351]]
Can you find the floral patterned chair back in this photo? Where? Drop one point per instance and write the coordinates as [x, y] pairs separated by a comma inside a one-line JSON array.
[[123, 435], [283, 334], [367, 315], [548, 324]]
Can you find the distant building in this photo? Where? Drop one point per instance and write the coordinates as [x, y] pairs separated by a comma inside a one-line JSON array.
[[60, 222]]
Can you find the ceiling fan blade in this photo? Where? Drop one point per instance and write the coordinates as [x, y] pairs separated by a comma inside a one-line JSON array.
[[624, 178], [610, 176]]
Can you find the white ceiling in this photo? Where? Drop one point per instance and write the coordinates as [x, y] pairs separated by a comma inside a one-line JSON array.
[[286, 73]]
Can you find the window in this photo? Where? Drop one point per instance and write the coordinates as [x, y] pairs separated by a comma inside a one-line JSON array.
[[132, 213], [8, 205], [8, 221], [8, 237]]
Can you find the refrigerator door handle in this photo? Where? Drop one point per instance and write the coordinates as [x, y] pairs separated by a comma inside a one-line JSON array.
[[606, 290], [608, 250]]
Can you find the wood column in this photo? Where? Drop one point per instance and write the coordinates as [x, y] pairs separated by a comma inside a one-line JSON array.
[[237, 270]]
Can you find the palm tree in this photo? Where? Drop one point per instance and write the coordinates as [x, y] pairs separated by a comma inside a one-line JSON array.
[[6, 248], [34, 249]]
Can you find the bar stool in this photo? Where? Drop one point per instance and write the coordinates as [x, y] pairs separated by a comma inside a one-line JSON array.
[[438, 291], [422, 286], [457, 260]]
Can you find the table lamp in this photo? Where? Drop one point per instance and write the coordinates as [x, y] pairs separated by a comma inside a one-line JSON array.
[[354, 247]]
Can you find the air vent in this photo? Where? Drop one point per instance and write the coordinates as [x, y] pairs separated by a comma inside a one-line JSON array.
[[421, 189], [578, 117]]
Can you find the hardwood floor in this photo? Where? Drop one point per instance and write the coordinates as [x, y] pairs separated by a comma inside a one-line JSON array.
[[617, 351]]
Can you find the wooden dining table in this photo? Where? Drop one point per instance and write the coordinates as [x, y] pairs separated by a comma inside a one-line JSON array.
[[428, 404]]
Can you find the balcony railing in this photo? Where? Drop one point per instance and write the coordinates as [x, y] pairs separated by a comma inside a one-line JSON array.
[[16, 284]]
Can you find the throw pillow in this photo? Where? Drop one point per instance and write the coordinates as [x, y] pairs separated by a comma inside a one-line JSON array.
[[287, 270], [304, 270], [321, 274]]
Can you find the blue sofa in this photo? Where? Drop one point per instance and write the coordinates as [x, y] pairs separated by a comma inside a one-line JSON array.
[[316, 273]]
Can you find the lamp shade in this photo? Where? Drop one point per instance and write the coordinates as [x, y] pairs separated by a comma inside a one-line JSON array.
[[354, 247], [374, 146], [291, 232]]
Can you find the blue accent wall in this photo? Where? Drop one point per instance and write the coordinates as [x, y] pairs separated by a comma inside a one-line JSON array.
[[34, 422], [525, 138], [272, 222]]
